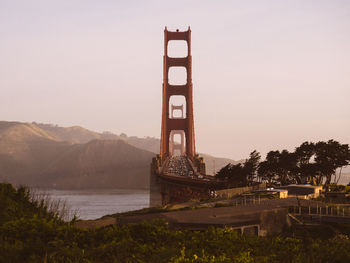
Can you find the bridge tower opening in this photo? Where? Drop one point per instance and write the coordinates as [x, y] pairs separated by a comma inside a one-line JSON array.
[[177, 146], [177, 143], [177, 108], [183, 125]]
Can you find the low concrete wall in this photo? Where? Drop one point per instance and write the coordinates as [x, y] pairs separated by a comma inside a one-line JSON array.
[[228, 193], [273, 221], [251, 220]]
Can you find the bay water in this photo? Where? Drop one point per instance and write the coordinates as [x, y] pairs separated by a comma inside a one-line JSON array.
[[93, 204]]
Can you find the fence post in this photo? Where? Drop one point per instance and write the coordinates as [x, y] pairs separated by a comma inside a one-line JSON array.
[[317, 209], [326, 209], [309, 210]]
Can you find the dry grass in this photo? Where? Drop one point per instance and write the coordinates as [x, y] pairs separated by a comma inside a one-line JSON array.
[[57, 208]]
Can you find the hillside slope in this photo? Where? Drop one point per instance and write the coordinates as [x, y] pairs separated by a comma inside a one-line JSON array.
[[25, 150], [214, 164], [32, 156], [75, 134], [100, 164]]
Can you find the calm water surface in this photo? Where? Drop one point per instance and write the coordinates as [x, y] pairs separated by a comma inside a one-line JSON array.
[[92, 204]]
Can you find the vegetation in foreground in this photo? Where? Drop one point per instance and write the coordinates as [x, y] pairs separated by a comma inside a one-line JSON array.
[[29, 232]]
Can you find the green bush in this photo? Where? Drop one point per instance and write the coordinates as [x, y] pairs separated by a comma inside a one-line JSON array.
[[30, 234]]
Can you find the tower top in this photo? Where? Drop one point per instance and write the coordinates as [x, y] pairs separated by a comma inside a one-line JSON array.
[[177, 35], [177, 30]]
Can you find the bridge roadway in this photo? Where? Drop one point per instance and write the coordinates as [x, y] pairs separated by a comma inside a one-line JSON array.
[[180, 171], [179, 165]]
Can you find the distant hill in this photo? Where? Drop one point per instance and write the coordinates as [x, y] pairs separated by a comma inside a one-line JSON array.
[[214, 164], [344, 179], [54, 157], [78, 134], [345, 175], [46, 155], [100, 164], [75, 134], [147, 143], [346, 169], [25, 149]]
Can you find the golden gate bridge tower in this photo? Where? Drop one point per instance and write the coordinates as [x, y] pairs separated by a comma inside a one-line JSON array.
[[178, 178], [169, 123]]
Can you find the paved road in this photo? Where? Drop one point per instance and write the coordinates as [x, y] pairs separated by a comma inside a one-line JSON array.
[[179, 165]]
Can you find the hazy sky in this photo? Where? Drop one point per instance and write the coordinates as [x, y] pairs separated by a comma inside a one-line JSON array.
[[267, 74]]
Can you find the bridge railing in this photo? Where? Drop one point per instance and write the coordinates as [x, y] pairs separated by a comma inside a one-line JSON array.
[[293, 205], [324, 210]]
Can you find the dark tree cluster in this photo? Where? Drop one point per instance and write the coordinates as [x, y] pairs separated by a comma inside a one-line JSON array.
[[241, 174], [313, 163]]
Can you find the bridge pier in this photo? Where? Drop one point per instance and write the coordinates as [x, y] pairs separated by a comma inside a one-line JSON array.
[[155, 194], [172, 183]]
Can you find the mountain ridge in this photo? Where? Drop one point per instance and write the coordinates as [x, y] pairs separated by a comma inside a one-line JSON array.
[[46, 155]]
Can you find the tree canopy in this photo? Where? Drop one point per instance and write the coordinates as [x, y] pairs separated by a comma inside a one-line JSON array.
[[313, 163], [241, 174]]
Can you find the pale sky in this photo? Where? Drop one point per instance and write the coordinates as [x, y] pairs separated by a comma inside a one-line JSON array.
[[267, 75]]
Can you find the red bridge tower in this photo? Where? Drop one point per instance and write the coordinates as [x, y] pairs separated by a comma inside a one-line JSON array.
[[169, 123], [186, 179]]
